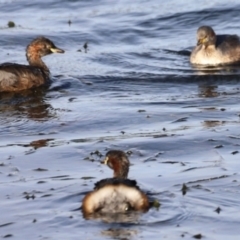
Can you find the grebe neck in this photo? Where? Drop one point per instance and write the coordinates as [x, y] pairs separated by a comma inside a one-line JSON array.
[[36, 61], [120, 169]]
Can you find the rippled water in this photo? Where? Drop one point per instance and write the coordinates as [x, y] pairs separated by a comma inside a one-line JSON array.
[[134, 89]]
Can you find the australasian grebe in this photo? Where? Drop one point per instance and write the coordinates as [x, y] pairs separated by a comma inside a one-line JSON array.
[[215, 49], [17, 77], [117, 194]]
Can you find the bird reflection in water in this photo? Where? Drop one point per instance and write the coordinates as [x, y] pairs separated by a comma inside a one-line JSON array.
[[130, 217], [213, 123], [120, 233], [29, 103], [208, 91]]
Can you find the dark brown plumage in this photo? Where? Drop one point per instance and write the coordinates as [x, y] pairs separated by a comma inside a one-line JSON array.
[[16, 77]]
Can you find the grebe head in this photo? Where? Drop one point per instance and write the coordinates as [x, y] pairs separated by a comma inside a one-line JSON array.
[[118, 161], [206, 36], [40, 47]]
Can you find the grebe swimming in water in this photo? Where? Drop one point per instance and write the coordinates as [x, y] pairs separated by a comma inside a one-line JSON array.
[[117, 194], [215, 49], [16, 77]]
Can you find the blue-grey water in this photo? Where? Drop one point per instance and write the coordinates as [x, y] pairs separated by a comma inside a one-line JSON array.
[[131, 88]]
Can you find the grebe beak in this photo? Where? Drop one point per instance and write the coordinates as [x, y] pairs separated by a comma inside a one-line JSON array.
[[201, 41], [105, 161], [57, 50]]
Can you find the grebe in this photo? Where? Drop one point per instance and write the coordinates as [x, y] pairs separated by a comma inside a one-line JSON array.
[[16, 77], [117, 194], [215, 49]]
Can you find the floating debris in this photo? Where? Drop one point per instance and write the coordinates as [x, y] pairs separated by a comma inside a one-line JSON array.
[[184, 189], [129, 152], [39, 143], [71, 99], [218, 146], [86, 178], [150, 159], [218, 210], [160, 136], [184, 119], [11, 24], [85, 45], [46, 195], [171, 162], [212, 140], [28, 196], [41, 182], [198, 236], [8, 235], [40, 169], [89, 159], [6, 224], [234, 137], [158, 154], [156, 204], [98, 153]]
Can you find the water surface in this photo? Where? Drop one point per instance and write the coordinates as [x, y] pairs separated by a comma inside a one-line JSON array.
[[134, 89]]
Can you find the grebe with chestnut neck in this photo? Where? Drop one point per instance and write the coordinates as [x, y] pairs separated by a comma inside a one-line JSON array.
[[117, 194], [17, 77]]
